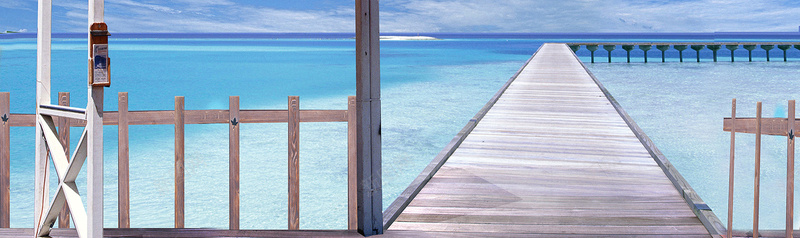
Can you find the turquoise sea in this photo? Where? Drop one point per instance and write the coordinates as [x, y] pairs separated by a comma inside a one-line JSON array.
[[430, 89]]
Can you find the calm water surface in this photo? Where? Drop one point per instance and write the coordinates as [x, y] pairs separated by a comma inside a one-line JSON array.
[[429, 91]]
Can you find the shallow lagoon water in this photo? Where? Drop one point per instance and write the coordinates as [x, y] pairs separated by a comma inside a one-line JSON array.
[[430, 90]]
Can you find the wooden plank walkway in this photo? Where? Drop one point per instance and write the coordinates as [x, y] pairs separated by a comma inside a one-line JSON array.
[[551, 158]]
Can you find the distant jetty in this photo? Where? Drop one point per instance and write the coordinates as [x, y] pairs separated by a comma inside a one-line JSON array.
[[408, 38]]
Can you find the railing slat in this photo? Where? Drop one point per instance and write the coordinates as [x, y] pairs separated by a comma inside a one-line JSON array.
[[123, 163], [294, 163], [179, 157], [352, 155], [790, 172], [233, 159], [757, 182], [730, 172], [63, 136], [5, 161]]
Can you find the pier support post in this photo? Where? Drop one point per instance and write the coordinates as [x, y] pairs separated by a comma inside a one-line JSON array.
[[767, 48], [714, 49], [663, 49], [732, 48], [609, 48], [368, 108], [697, 49], [680, 49], [750, 49], [575, 48], [628, 49], [645, 48], [592, 48], [784, 48]]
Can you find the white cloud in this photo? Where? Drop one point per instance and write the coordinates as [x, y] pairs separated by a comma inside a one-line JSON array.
[[592, 16], [446, 16]]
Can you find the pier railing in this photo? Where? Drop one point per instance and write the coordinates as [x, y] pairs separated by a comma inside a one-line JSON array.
[[179, 117], [763, 126], [681, 46]]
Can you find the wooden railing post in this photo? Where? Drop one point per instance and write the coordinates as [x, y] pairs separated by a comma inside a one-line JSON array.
[[352, 155], [5, 161], [179, 157], [233, 160], [790, 171], [294, 163], [123, 164], [730, 172], [63, 137], [368, 100], [757, 182]]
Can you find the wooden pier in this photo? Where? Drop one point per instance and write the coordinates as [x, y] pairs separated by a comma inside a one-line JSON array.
[[682, 46], [552, 155]]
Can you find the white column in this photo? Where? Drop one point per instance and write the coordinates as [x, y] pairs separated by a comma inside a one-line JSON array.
[[41, 190], [368, 108], [94, 125]]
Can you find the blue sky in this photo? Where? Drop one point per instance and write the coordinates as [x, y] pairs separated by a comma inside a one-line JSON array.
[[417, 15]]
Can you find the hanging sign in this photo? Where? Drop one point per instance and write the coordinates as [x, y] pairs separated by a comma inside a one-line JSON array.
[[100, 69]]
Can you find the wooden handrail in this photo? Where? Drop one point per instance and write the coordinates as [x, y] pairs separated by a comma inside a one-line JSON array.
[[179, 118]]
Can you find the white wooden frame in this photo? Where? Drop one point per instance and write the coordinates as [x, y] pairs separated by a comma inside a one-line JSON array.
[[88, 222]]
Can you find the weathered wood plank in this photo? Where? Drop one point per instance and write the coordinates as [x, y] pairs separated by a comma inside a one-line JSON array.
[[790, 169], [769, 126], [123, 163], [757, 183], [179, 120], [294, 162], [553, 229], [352, 156], [548, 220], [368, 104], [197, 117], [730, 167], [63, 137], [233, 163], [5, 160]]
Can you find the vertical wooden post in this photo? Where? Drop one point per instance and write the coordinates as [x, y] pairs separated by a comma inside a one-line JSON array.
[[757, 182], [352, 182], [94, 127], [730, 172], [294, 163], [368, 100], [63, 137], [123, 180], [43, 40], [179, 146], [790, 172], [5, 161], [233, 163]]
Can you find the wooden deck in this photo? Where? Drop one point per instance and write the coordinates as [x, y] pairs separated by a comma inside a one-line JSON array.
[[551, 158]]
